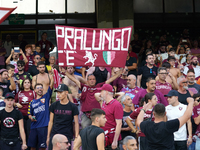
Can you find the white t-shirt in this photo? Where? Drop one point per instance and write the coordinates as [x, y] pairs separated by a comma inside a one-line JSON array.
[[174, 112], [196, 71]]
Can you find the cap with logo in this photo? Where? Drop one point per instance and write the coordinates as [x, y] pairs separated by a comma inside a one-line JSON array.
[[106, 87], [9, 95], [172, 93], [61, 88]]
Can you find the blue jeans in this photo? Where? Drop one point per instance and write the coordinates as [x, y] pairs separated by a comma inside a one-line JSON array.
[[192, 146]]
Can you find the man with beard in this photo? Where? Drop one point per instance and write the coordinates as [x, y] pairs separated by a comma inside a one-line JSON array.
[[60, 142], [192, 86], [194, 62], [131, 90], [73, 87], [21, 75], [151, 88], [146, 71], [129, 143], [15, 57], [7, 86], [38, 113], [43, 77], [181, 68], [183, 92], [32, 70]]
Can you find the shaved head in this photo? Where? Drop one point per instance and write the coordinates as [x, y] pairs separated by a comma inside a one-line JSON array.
[[131, 80], [59, 142]]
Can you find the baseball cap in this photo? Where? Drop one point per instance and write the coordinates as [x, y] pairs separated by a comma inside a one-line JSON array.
[[61, 88], [172, 93], [9, 95], [2, 70], [106, 87]]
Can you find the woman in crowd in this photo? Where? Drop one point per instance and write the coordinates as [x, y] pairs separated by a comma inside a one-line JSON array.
[[22, 100]]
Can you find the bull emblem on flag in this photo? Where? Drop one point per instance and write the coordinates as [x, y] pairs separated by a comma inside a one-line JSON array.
[[90, 57], [108, 57]]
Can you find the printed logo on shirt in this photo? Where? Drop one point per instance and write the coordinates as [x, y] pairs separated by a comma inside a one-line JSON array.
[[180, 108], [43, 100], [30, 94], [25, 100], [9, 122], [84, 89]]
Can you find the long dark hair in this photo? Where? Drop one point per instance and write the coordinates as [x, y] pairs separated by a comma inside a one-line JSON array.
[[148, 96], [22, 85]]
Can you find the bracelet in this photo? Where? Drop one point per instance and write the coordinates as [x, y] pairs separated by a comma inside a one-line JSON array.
[[143, 110]]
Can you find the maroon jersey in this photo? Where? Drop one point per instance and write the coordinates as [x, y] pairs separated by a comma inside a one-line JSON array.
[[196, 113], [29, 63], [164, 88], [135, 113], [24, 98], [87, 99]]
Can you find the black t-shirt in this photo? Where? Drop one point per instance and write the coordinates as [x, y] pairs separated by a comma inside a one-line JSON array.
[[5, 87], [32, 70], [88, 137], [101, 76], [23, 76], [146, 72], [124, 125], [63, 118], [9, 123], [130, 62], [160, 135]]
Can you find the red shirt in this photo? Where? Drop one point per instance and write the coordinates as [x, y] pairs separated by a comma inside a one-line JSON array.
[[24, 98], [135, 114], [45, 46], [87, 99], [113, 110], [132, 54], [196, 113], [29, 63], [164, 88]]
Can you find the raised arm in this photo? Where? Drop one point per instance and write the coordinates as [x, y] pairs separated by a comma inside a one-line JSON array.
[[98, 98], [12, 86], [174, 83], [24, 57], [8, 59], [188, 113], [114, 77], [73, 79], [90, 71]]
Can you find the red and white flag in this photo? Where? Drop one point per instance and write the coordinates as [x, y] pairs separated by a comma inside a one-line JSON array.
[[93, 47], [5, 12]]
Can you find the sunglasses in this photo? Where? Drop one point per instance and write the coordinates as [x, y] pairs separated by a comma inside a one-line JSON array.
[[37, 58], [39, 88], [185, 82], [65, 142], [198, 100], [20, 65]]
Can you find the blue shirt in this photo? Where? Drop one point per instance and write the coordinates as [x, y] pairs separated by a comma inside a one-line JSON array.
[[40, 109]]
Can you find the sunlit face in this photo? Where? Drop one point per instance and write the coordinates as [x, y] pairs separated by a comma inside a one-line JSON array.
[[154, 100], [131, 145], [41, 69], [151, 85], [172, 100], [52, 60], [131, 81], [162, 75], [184, 83], [102, 120], [11, 71], [150, 60], [39, 90], [4, 77], [191, 77], [70, 70], [128, 101], [91, 80], [27, 84], [196, 101], [28, 50], [172, 62], [62, 95]]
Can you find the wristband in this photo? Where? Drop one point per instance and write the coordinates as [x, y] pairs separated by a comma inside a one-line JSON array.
[[143, 110]]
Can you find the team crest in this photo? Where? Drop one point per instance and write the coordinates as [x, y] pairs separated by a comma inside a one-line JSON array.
[[108, 57], [90, 57], [43, 100], [30, 94], [180, 108], [136, 91]]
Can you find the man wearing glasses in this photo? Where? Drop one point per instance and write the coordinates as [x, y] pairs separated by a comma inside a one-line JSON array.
[[60, 142], [33, 69], [183, 91], [163, 86], [38, 113]]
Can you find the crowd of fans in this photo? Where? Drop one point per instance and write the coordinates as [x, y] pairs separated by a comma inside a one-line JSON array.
[[43, 105]]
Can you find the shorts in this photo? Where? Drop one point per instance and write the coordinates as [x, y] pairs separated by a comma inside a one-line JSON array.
[[38, 136]]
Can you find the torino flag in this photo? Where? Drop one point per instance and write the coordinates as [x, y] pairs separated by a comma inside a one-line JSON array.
[[92, 47], [5, 12]]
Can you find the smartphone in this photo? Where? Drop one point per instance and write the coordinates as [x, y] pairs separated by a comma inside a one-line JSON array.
[[16, 49], [184, 40]]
